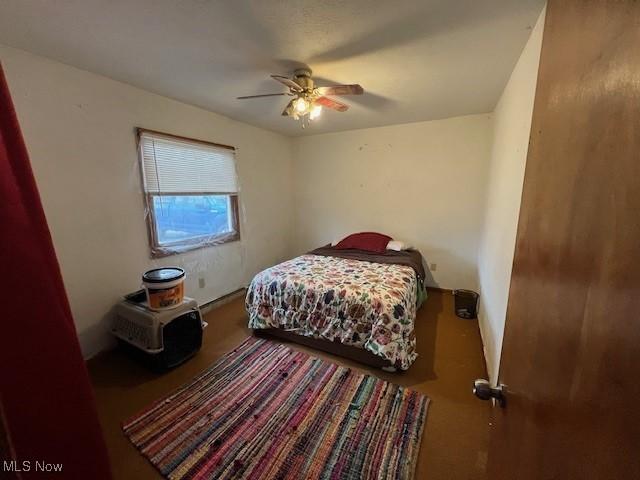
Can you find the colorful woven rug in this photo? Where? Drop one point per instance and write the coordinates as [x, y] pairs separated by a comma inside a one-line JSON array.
[[266, 411]]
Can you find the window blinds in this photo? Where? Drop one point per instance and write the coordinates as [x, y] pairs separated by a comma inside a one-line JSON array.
[[172, 165]]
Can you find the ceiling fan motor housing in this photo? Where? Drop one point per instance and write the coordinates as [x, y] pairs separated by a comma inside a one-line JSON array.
[[302, 77]]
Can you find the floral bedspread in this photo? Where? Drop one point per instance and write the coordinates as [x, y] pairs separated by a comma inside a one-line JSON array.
[[363, 304]]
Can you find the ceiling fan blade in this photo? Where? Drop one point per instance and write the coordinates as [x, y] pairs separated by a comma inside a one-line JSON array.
[[332, 104], [263, 95], [288, 82], [354, 89], [285, 112]]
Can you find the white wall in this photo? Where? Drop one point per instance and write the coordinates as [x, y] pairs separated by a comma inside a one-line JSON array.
[[421, 182], [512, 124], [79, 130]]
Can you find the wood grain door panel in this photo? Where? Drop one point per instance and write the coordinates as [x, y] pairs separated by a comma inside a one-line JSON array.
[[571, 351]]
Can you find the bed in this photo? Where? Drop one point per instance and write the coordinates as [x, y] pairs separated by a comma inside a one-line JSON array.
[[353, 303]]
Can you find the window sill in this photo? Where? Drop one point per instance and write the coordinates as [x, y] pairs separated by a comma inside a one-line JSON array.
[[159, 251]]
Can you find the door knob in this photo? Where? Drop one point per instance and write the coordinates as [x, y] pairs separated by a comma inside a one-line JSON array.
[[484, 391]]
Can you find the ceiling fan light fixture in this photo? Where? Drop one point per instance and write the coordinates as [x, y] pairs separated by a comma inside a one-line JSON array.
[[301, 105], [315, 112]]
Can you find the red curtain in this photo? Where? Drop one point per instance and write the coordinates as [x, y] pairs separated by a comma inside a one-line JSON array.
[[45, 392]]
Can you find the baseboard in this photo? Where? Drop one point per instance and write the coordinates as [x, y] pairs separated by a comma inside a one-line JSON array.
[[486, 352], [218, 302]]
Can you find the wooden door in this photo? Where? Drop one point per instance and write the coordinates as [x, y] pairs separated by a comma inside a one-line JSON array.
[[571, 352]]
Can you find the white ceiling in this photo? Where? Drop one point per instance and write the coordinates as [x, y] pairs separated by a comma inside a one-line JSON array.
[[416, 59]]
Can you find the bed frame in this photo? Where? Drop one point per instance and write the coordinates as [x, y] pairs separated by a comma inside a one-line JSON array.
[[335, 348]]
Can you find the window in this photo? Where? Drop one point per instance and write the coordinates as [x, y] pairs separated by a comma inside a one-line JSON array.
[[191, 192]]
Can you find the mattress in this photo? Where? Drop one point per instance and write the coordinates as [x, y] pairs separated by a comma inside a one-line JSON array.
[[364, 304]]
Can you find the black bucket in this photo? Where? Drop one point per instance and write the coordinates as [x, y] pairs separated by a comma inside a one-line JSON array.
[[466, 303]]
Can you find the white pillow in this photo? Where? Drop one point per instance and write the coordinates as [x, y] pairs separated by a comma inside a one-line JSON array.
[[398, 245]]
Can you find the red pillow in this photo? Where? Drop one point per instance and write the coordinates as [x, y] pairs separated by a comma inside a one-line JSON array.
[[370, 241]]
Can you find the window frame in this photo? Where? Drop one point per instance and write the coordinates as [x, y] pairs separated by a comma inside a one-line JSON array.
[[181, 246]]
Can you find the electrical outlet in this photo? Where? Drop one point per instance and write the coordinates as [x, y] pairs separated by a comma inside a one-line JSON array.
[[433, 267], [201, 282]]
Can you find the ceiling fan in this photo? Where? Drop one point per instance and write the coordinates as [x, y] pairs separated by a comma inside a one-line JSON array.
[[308, 99]]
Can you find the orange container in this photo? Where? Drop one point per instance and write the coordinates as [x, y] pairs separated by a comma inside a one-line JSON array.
[[164, 287]]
